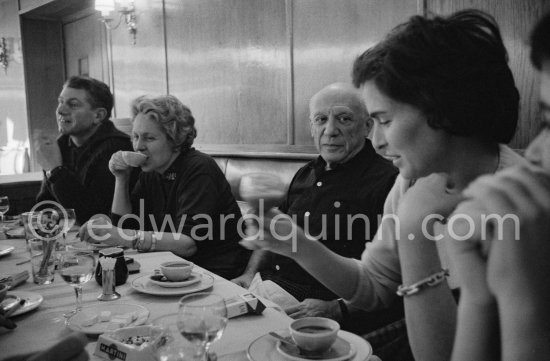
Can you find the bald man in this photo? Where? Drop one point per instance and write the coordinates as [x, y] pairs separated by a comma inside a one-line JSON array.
[[348, 179]]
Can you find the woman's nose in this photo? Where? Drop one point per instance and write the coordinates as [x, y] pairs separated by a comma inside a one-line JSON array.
[[533, 153], [378, 138], [139, 144]]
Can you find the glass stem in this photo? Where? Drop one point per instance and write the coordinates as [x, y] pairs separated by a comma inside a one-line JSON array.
[[201, 353], [78, 293]]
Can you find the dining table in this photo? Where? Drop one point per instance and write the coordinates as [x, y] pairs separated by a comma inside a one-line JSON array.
[[40, 322], [43, 326]]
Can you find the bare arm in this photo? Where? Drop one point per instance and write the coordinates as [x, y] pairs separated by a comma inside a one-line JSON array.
[[477, 334], [431, 313], [100, 230], [518, 267], [311, 255], [121, 196]]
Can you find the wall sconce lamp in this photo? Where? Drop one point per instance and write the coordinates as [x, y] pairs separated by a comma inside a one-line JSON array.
[[4, 55], [127, 11]]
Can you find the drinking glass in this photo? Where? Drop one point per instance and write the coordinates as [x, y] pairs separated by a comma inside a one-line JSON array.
[[68, 219], [202, 318], [256, 188], [4, 207], [77, 268]]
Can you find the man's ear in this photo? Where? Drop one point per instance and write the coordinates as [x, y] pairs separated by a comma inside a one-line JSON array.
[[100, 115], [311, 129], [368, 126]]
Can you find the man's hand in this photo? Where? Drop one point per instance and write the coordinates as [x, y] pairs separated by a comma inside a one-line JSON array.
[[243, 280], [312, 307], [48, 154], [71, 348], [6, 322]]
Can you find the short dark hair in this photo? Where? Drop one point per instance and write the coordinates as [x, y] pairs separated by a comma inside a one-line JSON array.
[[540, 42], [99, 94], [454, 69]]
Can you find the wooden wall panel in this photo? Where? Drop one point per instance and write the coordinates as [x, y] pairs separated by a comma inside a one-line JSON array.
[[328, 36], [228, 60], [44, 74], [141, 68], [515, 18], [84, 40], [13, 112]]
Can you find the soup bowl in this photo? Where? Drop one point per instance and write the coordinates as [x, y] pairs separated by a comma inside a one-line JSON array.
[[176, 271], [314, 334]]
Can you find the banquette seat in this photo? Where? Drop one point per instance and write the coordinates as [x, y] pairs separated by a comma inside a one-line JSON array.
[[233, 160]]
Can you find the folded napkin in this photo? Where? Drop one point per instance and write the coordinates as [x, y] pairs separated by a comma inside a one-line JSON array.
[[15, 279], [272, 292]]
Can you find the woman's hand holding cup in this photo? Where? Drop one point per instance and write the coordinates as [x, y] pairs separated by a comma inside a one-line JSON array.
[[118, 166]]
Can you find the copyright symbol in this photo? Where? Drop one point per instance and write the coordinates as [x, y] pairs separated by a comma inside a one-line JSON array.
[[48, 220]]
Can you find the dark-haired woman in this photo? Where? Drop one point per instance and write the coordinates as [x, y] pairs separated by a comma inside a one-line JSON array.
[[443, 100]]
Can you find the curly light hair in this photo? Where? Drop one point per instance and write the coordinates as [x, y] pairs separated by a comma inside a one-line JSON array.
[[174, 118]]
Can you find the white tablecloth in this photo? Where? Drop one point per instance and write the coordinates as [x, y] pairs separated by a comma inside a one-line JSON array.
[[35, 331]]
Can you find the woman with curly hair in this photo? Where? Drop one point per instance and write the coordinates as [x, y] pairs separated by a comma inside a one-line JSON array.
[[183, 200]]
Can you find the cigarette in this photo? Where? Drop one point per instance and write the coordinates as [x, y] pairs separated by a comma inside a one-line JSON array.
[[15, 308]]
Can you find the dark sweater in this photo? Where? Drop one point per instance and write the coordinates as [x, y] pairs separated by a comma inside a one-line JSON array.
[[85, 182], [191, 191]]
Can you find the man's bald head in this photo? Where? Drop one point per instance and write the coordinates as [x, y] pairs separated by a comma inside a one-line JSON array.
[[339, 122]]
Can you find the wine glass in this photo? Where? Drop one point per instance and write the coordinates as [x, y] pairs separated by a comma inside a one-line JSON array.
[[77, 268], [202, 318], [258, 188], [67, 222], [262, 191], [4, 207]]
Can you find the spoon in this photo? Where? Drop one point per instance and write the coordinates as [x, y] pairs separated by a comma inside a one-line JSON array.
[[283, 339]]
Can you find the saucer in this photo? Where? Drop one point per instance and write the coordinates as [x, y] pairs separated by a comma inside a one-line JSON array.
[[159, 279], [265, 348], [339, 351], [75, 322], [6, 249], [145, 285], [17, 232], [32, 301]]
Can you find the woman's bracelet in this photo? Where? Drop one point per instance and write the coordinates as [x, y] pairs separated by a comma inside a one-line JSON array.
[[343, 309], [430, 281], [139, 240]]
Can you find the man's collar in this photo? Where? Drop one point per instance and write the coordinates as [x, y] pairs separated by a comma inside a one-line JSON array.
[[99, 132]]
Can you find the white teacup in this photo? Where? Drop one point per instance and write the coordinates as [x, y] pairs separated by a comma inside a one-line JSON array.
[[133, 159], [176, 271], [314, 335]]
